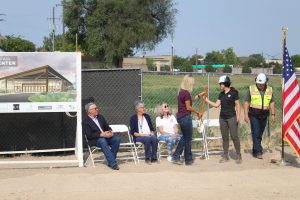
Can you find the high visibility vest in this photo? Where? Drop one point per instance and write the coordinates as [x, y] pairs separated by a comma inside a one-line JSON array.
[[256, 100]]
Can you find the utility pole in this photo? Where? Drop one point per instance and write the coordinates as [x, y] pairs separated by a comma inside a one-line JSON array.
[[196, 57], [53, 28], [172, 53], [63, 23]]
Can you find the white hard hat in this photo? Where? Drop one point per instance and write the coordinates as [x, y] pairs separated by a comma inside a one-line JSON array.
[[224, 79], [261, 78]]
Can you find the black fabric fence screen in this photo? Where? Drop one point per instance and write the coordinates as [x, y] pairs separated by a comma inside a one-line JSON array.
[[114, 91]]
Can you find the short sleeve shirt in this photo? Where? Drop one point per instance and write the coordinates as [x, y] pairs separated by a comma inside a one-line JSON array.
[[228, 103], [183, 96], [167, 124]]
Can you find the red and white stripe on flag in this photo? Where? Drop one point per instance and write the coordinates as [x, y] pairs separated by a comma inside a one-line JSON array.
[[291, 104]]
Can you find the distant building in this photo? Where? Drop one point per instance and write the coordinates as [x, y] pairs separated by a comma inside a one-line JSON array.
[[161, 63], [41, 79], [261, 70], [279, 61]]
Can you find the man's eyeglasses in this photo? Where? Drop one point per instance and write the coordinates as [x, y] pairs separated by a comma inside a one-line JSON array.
[[166, 106], [94, 108]]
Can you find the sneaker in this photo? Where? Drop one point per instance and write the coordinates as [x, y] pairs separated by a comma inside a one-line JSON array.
[[169, 158], [239, 159], [224, 158]]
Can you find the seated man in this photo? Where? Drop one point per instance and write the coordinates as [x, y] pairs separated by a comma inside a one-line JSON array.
[[99, 134]]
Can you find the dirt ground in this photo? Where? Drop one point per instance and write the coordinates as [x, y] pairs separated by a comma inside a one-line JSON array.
[[206, 179]]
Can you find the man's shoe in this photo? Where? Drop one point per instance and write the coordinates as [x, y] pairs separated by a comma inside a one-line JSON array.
[[147, 161], [224, 158], [115, 167], [189, 162], [154, 160], [239, 159], [259, 156]]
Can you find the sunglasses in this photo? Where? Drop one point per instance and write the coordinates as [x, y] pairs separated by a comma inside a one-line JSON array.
[[166, 106]]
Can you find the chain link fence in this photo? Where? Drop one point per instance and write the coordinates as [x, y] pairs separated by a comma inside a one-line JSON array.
[[161, 87], [115, 91]]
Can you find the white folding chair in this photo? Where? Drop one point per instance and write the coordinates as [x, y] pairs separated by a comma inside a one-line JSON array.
[[92, 149], [199, 125], [211, 135], [127, 143], [161, 149]]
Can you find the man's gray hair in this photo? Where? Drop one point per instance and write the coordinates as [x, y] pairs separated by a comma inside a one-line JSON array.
[[88, 105], [138, 103]]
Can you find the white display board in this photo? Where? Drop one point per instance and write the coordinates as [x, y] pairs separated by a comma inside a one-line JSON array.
[[39, 81]]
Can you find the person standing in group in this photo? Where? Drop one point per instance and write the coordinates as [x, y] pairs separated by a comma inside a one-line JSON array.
[[142, 131], [258, 104], [184, 119], [167, 128], [229, 116]]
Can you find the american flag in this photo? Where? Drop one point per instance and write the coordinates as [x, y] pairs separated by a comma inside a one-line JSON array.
[[291, 104]]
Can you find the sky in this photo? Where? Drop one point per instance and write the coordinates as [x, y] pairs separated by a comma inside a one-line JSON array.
[[248, 26]]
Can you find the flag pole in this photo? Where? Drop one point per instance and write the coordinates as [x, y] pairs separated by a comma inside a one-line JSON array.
[[283, 162]]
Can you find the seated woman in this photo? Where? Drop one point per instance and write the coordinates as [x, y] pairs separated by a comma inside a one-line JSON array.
[[142, 131], [167, 128]]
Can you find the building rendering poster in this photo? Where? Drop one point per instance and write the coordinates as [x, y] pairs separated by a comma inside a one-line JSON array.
[[39, 82]]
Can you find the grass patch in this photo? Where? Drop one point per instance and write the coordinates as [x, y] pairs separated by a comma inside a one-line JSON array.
[[53, 97]]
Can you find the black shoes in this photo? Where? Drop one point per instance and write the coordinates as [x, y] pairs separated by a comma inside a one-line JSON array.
[[258, 156], [153, 160], [148, 161], [115, 167]]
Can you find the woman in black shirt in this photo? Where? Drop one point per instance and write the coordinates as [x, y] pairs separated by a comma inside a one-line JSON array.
[[229, 116]]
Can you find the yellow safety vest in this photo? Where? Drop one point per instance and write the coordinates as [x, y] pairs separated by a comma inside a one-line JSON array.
[[256, 100]]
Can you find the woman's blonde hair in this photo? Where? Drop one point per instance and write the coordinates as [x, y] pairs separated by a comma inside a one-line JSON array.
[[187, 83]]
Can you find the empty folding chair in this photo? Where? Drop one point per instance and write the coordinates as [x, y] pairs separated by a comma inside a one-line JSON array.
[[126, 144]]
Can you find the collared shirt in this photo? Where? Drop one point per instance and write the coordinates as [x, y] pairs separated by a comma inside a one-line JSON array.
[[97, 123]]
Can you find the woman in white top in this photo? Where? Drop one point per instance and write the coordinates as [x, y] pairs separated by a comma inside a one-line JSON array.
[[167, 128]]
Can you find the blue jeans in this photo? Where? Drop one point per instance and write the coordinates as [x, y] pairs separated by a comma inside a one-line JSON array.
[[110, 153], [150, 145], [257, 129], [170, 139], [186, 126]]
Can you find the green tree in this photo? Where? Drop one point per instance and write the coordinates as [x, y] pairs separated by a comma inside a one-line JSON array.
[[150, 64], [183, 64], [113, 29], [277, 68], [227, 69], [246, 70], [16, 44], [256, 60], [193, 58], [214, 57], [230, 57], [296, 60], [47, 44]]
